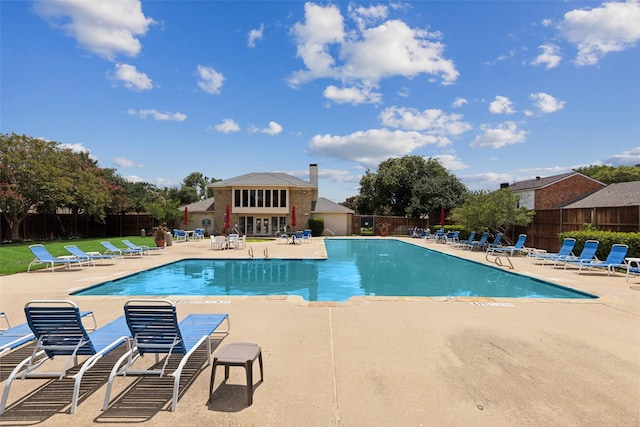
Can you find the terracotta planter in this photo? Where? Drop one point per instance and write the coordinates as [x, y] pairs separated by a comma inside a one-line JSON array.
[[160, 243], [384, 233]]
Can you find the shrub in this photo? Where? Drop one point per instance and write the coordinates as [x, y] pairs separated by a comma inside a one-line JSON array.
[[317, 226], [606, 240]]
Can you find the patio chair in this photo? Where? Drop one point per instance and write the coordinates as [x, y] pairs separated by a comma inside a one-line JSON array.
[[495, 243], [566, 250], [614, 260], [179, 235], [111, 249], [79, 253], [452, 237], [57, 326], [480, 244], [519, 246], [232, 241], [306, 236], [155, 330], [588, 253], [242, 242], [198, 233], [464, 243], [15, 336], [143, 248], [218, 242], [43, 256]]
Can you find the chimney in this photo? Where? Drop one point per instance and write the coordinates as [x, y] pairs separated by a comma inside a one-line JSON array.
[[537, 178], [313, 177], [504, 185]]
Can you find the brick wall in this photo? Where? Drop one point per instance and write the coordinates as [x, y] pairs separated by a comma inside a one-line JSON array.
[[564, 191]]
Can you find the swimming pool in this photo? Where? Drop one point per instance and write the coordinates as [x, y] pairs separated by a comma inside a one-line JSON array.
[[377, 267]]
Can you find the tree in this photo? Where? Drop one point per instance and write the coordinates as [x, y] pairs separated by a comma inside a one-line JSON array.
[[611, 174], [494, 211], [29, 178], [409, 186], [199, 182]]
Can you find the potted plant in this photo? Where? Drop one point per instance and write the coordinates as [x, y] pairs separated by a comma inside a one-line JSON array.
[[159, 234], [384, 228]]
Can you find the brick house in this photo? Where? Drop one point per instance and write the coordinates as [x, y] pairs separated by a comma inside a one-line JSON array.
[[554, 191], [263, 203]]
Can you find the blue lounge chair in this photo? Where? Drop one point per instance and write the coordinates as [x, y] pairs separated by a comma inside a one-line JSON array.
[[614, 260], [306, 236], [14, 337], [79, 253], [519, 245], [43, 256], [111, 249], [58, 328], [142, 248], [566, 250], [495, 243], [464, 243], [588, 253], [480, 244], [198, 233], [155, 330]]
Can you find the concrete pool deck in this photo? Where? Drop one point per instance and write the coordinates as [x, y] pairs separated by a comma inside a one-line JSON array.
[[372, 361]]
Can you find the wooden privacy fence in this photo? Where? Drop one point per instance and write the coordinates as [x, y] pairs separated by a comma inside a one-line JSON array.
[[46, 226], [542, 233], [547, 224]]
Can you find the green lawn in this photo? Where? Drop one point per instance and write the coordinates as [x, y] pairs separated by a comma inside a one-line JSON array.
[[15, 257]]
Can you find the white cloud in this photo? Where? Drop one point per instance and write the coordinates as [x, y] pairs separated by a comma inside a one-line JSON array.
[[125, 163], [175, 117], [612, 27], [227, 126], [506, 133], [550, 56], [365, 16], [430, 121], [369, 147], [78, 148], [365, 55], [546, 103], [459, 102], [104, 27], [210, 80], [132, 78], [352, 95], [254, 35], [626, 158], [451, 161], [501, 105], [273, 129]]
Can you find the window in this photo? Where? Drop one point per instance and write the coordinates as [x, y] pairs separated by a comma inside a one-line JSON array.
[[259, 198]]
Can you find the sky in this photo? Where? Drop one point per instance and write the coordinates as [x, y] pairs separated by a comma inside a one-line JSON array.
[[497, 91]]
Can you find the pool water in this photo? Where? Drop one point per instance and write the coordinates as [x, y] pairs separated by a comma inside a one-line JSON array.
[[379, 267]]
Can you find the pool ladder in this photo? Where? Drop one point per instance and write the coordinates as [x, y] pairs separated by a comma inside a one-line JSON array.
[[498, 259], [265, 252]]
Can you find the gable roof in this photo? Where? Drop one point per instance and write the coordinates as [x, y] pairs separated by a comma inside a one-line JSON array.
[[619, 194], [324, 205], [199, 206], [540, 182], [271, 179]]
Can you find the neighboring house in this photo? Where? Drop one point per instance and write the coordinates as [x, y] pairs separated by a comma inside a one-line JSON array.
[[263, 203], [553, 191], [200, 215], [613, 195]]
